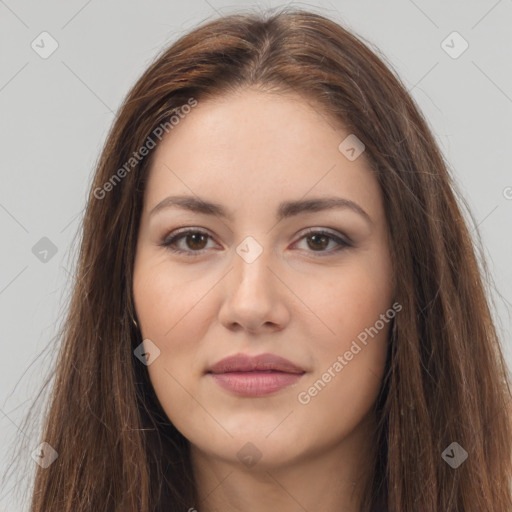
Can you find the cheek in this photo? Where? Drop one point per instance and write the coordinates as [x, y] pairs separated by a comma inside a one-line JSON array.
[[174, 313], [350, 358], [351, 302], [175, 318], [168, 301], [335, 398], [175, 310]]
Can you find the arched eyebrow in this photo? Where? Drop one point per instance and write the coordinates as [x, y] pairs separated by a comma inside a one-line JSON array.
[[285, 210]]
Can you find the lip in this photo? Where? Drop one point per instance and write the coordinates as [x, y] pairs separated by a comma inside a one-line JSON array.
[[247, 375], [247, 363]]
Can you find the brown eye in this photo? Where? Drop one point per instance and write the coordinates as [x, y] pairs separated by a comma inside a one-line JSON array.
[[195, 242], [318, 241]]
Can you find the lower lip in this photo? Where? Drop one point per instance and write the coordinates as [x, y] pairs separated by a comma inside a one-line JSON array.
[[255, 383]]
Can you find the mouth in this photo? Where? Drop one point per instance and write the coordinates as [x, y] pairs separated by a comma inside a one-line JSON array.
[[255, 375]]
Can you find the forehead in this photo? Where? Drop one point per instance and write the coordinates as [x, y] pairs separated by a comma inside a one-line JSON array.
[[254, 148]]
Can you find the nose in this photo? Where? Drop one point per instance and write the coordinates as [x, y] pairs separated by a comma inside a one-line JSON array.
[[255, 298]]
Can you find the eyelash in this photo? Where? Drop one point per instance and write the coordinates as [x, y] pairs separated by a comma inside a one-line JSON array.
[[168, 242]]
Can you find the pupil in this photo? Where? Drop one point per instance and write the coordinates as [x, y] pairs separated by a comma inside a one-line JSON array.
[[323, 237], [197, 238], [194, 240]]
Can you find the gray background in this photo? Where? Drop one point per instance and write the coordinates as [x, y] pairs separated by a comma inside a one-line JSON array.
[[55, 113]]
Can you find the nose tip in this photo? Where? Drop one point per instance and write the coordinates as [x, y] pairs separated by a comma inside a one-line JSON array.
[[252, 295]]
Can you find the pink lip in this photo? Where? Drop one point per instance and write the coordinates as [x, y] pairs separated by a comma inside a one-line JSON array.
[[253, 376]]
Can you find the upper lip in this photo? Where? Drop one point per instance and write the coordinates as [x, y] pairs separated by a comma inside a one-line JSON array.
[[246, 363]]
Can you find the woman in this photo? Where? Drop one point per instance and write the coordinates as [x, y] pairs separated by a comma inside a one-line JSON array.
[[278, 304]]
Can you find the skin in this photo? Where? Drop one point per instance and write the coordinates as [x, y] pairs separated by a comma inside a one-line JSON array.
[[300, 299]]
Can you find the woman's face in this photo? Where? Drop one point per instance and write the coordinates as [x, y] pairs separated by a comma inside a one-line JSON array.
[[253, 280]]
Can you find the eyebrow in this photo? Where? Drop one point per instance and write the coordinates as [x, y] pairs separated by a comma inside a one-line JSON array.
[[285, 210]]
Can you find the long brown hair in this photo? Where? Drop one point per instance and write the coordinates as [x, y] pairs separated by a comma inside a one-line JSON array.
[[446, 379]]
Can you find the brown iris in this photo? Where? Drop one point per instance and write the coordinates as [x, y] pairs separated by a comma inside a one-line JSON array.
[[196, 238], [318, 237]]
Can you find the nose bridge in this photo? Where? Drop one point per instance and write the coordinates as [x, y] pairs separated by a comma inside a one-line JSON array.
[[251, 264], [252, 295]]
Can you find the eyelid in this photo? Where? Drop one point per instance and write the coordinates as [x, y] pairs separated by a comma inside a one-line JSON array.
[[341, 239], [328, 231], [179, 234]]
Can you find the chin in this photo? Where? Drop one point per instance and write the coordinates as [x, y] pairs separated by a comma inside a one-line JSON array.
[[256, 451]]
